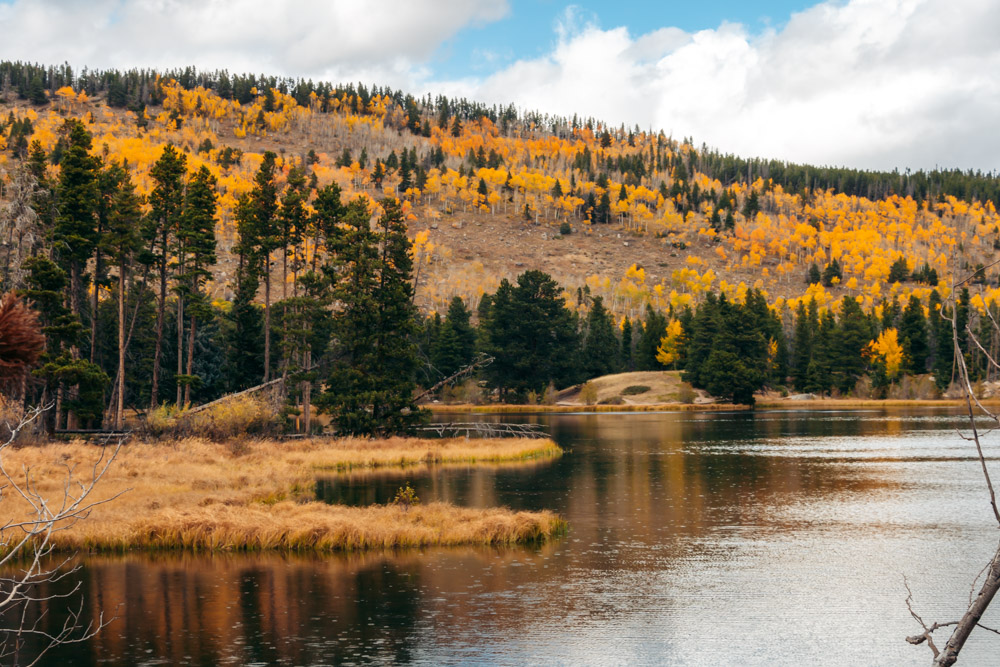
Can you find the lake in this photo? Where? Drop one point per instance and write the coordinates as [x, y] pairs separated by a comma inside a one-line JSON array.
[[775, 537]]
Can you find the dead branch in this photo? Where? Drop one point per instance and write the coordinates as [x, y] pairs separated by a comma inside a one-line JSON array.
[[27, 548]]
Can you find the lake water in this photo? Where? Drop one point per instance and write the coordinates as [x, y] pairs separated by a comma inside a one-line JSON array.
[[778, 538]]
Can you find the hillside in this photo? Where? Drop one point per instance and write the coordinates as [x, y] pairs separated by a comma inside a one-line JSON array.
[[486, 199]]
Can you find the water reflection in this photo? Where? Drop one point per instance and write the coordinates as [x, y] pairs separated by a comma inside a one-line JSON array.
[[776, 537]]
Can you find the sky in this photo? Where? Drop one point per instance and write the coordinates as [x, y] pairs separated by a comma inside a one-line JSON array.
[[872, 84]]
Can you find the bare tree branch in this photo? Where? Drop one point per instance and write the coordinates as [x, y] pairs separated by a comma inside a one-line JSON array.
[[27, 549]]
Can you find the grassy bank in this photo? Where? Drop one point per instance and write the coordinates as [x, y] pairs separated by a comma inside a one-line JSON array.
[[658, 407], [259, 495], [825, 403]]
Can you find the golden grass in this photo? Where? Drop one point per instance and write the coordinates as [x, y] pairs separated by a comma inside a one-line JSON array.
[[652, 407], [871, 403], [196, 494]]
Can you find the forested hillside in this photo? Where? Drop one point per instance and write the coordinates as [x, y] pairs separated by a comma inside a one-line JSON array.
[[231, 205]]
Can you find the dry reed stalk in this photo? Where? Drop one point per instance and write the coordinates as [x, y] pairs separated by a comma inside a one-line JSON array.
[[196, 494]]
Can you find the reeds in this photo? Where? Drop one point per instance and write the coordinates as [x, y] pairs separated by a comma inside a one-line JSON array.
[[197, 494]]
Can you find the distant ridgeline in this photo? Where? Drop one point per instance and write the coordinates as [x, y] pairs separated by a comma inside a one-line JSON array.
[[186, 234], [138, 88]]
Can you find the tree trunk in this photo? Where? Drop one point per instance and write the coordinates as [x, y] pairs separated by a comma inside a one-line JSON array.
[[180, 348], [120, 406], [267, 318], [93, 317], [160, 308], [949, 654], [190, 361]]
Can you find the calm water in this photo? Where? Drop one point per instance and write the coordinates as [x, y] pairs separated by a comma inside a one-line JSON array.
[[717, 539]]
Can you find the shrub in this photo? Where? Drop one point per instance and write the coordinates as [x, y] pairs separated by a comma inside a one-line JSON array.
[[565, 229], [406, 497], [235, 417], [635, 389], [612, 400], [588, 393], [549, 397], [686, 393]]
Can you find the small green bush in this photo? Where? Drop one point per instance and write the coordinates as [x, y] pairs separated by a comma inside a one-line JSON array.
[[565, 229], [635, 389]]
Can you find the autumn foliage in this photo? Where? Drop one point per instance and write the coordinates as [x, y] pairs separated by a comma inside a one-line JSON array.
[[21, 339]]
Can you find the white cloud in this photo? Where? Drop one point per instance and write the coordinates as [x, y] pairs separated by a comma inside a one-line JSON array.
[[866, 83], [340, 40], [870, 83]]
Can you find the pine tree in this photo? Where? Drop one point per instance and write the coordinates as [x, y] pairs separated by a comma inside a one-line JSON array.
[[75, 235], [944, 346], [166, 204], [121, 242], [853, 335], [531, 335], [813, 277], [802, 349], [820, 372], [455, 343], [256, 220], [653, 330], [913, 331], [370, 386], [600, 349], [705, 328], [197, 234], [627, 363]]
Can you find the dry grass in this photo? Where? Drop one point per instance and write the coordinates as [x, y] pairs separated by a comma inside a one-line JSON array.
[[625, 407], [197, 494], [234, 418]]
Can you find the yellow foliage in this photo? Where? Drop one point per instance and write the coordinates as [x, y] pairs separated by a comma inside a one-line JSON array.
[[887, 348], [670, 345]]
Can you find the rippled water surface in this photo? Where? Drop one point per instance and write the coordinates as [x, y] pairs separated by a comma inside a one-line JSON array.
[[777, 538]]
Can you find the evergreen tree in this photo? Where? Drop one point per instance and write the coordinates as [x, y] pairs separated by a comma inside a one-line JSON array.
[[653, 330], [600, 349], [454, 343], [197, 234], [75, 234], [257, 227], [166, 204], [899, 272], [831, 272], [853, 335], [705, 328], [802, 347], [122, 241], [820, 372], [944, 346], [732, 341], [627, 363], [370, 386], [75, 237], [913, 331], [532, 336], [36, 92]]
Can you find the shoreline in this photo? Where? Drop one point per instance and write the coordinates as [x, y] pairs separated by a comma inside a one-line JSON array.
[[259, 495], [762, 404]]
